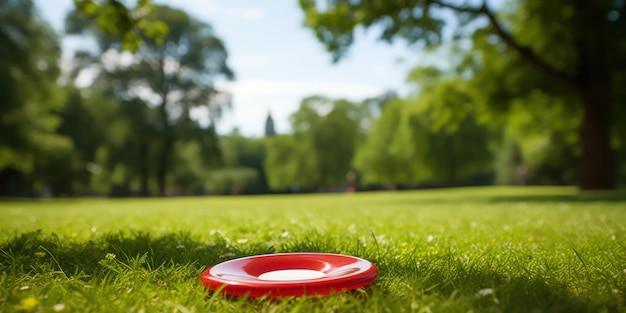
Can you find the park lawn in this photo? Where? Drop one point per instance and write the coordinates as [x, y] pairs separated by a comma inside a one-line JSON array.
[[488, 249]]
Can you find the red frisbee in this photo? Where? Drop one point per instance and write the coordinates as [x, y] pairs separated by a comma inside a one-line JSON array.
[[289, 274]]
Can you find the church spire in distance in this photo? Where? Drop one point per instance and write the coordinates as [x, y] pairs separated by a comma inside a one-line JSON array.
[[269, 126]]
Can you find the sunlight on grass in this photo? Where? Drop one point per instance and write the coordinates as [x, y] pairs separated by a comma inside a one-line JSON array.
[[456, 250]]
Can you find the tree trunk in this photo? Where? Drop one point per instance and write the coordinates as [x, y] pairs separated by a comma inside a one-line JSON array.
[[593, 82], [166, 130], [144, 191], [164, 155], [598, 164]]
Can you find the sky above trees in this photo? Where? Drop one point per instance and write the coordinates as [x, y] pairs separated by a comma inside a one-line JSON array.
[[277, 62]]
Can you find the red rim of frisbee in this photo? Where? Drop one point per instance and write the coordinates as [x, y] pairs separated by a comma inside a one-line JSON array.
[[240, 277]]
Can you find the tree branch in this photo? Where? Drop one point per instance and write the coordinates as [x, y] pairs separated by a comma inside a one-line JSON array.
[[528, 54], [458, 8]]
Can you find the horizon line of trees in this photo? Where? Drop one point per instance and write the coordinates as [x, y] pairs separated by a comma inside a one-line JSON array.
[[484, 118]]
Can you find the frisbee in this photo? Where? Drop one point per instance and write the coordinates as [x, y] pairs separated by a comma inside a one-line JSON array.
[[289, 274]]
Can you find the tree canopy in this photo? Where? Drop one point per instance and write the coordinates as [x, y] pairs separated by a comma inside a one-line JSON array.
[[28, 57], [576, 46], [170, 77]]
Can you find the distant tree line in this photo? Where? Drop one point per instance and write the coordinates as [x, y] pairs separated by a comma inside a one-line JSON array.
[[117, 120]]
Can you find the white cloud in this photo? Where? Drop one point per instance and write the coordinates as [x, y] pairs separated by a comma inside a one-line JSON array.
[[243, 13], [203, 7], [248, 61], [260, 88], [253, 99]]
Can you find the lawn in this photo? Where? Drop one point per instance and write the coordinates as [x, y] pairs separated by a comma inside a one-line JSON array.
[[534, 249]]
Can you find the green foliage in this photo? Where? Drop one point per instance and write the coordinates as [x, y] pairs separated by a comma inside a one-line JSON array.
[[189, 174], [239, 151], [334, 25], [129, 25], [234, 180], [290, 162], [332, 128], [157, 88], [431, 137], [452, 250], [571, 51], [30, 99], [320, 152], [387, 156]]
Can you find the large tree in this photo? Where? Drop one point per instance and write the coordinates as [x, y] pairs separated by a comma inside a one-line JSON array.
[[30, 150], [577, 43], [431, 137], [175, 75], [290, 163], [332, 128]]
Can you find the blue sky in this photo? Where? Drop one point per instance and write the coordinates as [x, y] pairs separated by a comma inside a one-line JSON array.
[[277, 62]]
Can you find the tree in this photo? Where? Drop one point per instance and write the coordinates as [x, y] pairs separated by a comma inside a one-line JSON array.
[[579, 44], [456, 144], [333, 130], [431, 137], [174, 76], [290, 163], [29, 147], [239, 152], [126, 23], [387, 156]]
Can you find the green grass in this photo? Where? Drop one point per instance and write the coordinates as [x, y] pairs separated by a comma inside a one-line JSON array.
[[456, 250]]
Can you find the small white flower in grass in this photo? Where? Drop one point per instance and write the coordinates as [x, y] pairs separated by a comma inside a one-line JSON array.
[[352, 229], [484, 292], [285, 234], [430, 238], [58, 307], [24, 287]]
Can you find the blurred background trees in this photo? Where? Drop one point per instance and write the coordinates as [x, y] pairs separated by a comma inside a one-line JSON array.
[[570, 51], [31, 152], [531, 92]]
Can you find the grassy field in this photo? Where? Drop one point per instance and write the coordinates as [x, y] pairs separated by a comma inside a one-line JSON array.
[[456, 250]]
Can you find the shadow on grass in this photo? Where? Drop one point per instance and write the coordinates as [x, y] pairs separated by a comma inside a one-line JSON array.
[[587, 197], [581, 197], [489, 290], [438, 277], [23, 254]]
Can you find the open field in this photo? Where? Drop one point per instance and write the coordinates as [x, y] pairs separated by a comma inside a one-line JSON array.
[[539, 249]]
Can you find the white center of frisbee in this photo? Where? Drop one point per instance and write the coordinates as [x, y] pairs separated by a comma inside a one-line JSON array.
[[289, 275]]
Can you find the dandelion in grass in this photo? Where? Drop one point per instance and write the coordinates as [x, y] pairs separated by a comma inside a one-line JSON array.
[[27, 304]]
